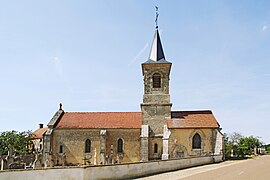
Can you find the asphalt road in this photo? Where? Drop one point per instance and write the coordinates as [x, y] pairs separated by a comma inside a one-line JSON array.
[[257, 168]]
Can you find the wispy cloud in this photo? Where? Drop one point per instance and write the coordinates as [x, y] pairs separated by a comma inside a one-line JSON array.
[[7, 109], [139, 54], [265, 27], [60, 71], [58, 66], [260, 76]]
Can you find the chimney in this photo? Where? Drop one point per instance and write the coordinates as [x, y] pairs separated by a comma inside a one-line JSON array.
[[40, 125]]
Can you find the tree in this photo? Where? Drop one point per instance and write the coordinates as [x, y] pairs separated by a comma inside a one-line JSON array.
[[234, 140], [19, 141], [247, 145], [240, 145], [267, 147], [228, 145]]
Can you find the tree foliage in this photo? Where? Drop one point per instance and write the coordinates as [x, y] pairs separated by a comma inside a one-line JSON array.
[[228, 145], [240, 146], [247, 145], [267, 147], [231, 143], [19, 141]]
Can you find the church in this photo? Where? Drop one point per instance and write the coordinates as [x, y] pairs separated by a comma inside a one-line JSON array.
[[155, 133]]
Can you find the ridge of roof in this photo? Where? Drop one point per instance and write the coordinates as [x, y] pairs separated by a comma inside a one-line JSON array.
[[194, 111], [85, 112]]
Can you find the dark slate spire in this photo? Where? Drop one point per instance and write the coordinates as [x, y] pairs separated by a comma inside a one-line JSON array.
[[156, 53]]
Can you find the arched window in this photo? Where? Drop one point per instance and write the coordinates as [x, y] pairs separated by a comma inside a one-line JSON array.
[[120, 146], [87, 146], [155, 148], [196, 141], [156, 80], [61, 149]]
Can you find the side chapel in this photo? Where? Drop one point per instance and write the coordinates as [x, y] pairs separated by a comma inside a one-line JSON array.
[[157, 132]]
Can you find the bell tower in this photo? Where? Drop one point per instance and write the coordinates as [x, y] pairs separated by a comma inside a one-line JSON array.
[[156, 105]]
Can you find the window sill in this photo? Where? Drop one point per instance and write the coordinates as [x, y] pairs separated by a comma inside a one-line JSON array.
[[156, 89], [120, 154]]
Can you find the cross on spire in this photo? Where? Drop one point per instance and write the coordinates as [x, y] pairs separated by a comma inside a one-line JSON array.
[[156, 17], [156, 53]]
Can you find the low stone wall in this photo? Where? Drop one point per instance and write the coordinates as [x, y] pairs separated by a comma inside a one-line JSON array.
[[120, 171]]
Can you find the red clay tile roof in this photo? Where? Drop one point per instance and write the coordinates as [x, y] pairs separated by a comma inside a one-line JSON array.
[[38, 134], [192, 119], [98, 120]]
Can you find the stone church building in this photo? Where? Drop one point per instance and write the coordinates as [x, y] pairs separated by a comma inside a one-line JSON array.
[[155, 133]]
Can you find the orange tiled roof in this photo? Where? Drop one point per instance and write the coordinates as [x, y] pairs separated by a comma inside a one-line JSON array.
[[192, 119], [98, 120], [38, 134]]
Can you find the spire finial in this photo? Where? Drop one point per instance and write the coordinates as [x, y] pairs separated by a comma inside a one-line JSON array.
[[156, 17], [60, 106]]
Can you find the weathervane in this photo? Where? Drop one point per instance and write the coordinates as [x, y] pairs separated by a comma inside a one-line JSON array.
[[156, 17]]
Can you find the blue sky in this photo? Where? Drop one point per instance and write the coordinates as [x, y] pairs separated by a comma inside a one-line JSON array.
[[88, 55]]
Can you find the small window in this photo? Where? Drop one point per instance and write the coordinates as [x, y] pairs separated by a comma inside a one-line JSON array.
[[155, 148], [87, 146], [40, 147], [61, 149], [196, 141], [120, 146], [156, 80], [179, 154]]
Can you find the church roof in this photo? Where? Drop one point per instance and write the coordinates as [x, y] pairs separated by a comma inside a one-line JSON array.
[[192, 119], [38, 134], [156, 53], [99, 120], [133, 120]]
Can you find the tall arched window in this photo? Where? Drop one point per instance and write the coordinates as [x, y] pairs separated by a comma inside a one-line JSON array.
[[155, 148], [156, 80], [87, 146], [196, 141], [61, 149], [120, 146]]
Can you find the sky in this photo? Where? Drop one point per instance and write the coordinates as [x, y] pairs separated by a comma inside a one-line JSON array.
[[87, 55]]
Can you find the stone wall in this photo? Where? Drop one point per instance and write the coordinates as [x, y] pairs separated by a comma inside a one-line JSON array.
[[219, 143], [148, 71], [73, 143], [131, 144], [156, 107], [181, 141], [121, 171], [156, 101]]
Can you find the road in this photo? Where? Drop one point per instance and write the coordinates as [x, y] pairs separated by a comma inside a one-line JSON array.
[[257, 168]]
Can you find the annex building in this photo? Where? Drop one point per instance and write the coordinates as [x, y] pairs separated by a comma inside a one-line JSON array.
[[156, 132]]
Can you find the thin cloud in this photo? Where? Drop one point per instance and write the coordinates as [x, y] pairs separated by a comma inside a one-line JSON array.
[[260, 76], [58, 66], [139, 54], [7, 110], [265, 27], [60, 71], [142, 51]]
